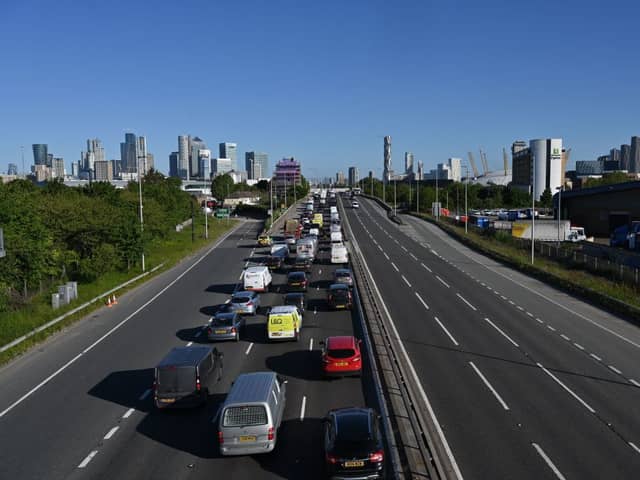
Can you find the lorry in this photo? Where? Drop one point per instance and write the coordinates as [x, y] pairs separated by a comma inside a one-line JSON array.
[[548, 231]]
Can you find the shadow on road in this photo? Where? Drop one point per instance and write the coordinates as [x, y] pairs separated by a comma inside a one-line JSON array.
[[227, 288], [125, 388], [302, 364], [191, 335]]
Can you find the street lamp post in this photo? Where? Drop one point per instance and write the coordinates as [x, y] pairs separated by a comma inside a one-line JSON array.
[[395, 203], [533, 207], [140, 200], [559, 210], [466, 209], [437, 202], [206, 220]]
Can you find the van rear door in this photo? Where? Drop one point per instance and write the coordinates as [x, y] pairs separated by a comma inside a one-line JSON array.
[[174, 383], [245, 426]]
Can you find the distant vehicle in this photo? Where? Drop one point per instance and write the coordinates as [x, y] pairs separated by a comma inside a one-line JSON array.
[[251, 414], [274, 262], [355, 204], [353, 444], [297, 282], [302, 263], [296, 299], [284, 323], [245, 302], [336, 237], [339, 253], [317, 219], [184, 377], [257, 279], [290, 240], [343, 275], [341, 356], [290, 227], [314, 231], [225, 326], [279, 246], [264, 240], [339, 297]]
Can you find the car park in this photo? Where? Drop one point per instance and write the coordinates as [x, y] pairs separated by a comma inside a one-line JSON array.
[[225, 326], [339, 297], [284, 323], [251, 415], [297, 282], [353, 444], [186, 375], [343, 275], [341, 356], [245, 302], [297, 299]]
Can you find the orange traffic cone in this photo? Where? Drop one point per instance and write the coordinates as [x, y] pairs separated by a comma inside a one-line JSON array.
[[108, 301], [114, 300]]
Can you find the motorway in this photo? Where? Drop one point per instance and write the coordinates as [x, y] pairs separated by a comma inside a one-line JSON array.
[[79, 405], [525, 381]]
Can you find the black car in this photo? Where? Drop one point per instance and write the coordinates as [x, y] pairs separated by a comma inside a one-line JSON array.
[[343, 275], [339, 296], [302, 264], [297, 282], [297, 299], [353, 444], [274, 262]]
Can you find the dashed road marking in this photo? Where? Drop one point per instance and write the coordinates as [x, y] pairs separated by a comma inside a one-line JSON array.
[[596, 357], [578, 346], [501, 332], [303, 407], [87, 459], [567, 389], [385, 255], [565, 337], [442, 281], [637, 384], [422, 301], [447, 331], [310, 344], [465, 301], [551, 328], [405, 280], [548, 461], [427, 268], [615, 369], [490, 387], [111, 433], [413, 256], [248, 349], [128, 413], [394, 266]]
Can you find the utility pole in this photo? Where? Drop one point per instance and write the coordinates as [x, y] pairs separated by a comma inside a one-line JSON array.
[[418, 196], [437, 202], [466, 211], [533, 207], [193, 225], [140, 198], [206, 220], [23, 170], [395, 203], [271, 199]]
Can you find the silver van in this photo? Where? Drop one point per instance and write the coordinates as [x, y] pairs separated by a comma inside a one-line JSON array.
[[250, 416]]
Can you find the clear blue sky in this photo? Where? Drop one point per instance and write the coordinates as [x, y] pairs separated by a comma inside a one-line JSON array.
[[323, 81]]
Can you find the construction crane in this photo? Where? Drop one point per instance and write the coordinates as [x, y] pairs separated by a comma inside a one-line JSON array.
[[473, 165], [483, 159], [505, 159]]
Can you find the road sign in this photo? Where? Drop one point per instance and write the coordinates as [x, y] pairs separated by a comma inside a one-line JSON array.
[[222, 213]]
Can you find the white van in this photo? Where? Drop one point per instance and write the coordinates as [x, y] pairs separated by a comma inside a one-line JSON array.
[[336, 237], [339, 253], [250, 416], [257, 279], [333, 209]]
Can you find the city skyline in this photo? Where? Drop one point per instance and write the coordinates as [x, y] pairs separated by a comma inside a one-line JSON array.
[[454, 95]]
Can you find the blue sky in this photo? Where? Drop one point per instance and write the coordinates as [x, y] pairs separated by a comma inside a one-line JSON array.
[[322, 81]]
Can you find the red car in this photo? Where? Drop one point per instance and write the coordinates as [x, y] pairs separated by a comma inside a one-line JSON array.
[[341, 356]]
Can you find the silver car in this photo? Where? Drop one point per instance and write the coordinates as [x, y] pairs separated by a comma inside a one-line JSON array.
[[225, 326], [245, 302]]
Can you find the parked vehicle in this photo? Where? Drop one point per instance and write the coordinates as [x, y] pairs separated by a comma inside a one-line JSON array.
[[339, 253], [296, 299], [184, 377], [257, 279], [341, 356], [251, 415], [284, 323], [353, 444], [225, 326], [343, 275], [245, 302], [297, 282], [339, 296]]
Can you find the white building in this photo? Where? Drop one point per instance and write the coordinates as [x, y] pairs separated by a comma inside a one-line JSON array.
[[446, 171], [204, 163], [222, 166]]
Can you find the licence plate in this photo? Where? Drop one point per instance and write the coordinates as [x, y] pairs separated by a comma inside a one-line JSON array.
[[339, 306], [341, 364], [276, 334], [167, 400], [295, 284], [353, 464], [247, 438], [220, 331]]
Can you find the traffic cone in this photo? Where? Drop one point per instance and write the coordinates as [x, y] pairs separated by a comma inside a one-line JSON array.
[[114, 300], [108, 301]]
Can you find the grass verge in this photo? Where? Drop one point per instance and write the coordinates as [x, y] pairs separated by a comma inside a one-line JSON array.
[[169, 252]]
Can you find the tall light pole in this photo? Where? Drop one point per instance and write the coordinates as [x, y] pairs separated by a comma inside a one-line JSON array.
[[559, 210], [384, 183], [410, 194], [140, 201], [437, 202], [533, 207], [23, 170], [466, 210], [418, 195], [271, 199], [206, 220], [395, 204]]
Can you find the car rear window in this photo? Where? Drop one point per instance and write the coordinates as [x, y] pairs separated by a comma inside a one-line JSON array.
[[176, 379], [244, 416], [354, 428], [341, 353], [222, 322], [297, 276], [240, 299], [339, 293]]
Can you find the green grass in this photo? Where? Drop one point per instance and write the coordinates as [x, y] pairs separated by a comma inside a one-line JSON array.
[[170, 251]]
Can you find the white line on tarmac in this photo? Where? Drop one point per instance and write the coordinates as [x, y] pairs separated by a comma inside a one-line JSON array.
[[145, 394], [424, 266], [578, 345], [565, 337], [442, 281], [310, 344], [88, 458], [303, 407], [465, 301], [571, 392], [249, 348], [380, 248], [385, 255], [637, 384], [128, 413], [551, 328], [593, 355], [490, 387], [634, 446], [111, 433], [405, 280], [501, 332], [548, 461], [413, 256], [422, 301], [447, 332], [394, 266], [615, 369], [404, 248]]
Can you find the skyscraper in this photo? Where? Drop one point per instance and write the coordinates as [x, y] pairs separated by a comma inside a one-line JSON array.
[[634, 156], [386, 175], [625, 156], [184, 150], [103, 171], [408, 163], [196, 145], [40, 153], [354, 176], [256, 165], [221, 166], [94, 153], [173, 164], [12, 169], [57, 167], [229, 150], [128, 151], [204, 163]]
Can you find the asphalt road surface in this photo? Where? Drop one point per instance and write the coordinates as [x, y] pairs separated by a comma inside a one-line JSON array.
[[79, 405], [526, 382]]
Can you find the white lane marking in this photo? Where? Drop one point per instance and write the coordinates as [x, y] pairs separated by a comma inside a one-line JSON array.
[[447, 332], [503, 297], [145, 394], [248, 349], [380, 248], [189, 344], [413, 256], [565, 337], [128, 413], [548, 461], [303, 407], [637, 384], [501, 332], [551, 328], [634, 446], [434, 252], [99, 340], [422, 301], [520, 308], [442, 281], [385, 255], [530, 314], [228, 300], [579, 346], [111, 433], [87, 459], [198, 334], [615, 369], [571, 392], [490, 387], [539, 321], [245, 266], [427, 268], [593, 355], [310, 344], [405, 280], [465, 301], [404, 248], [320, 271], [394, 266], [512, 302]]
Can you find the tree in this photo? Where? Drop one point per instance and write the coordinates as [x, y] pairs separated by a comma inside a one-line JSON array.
[[546, 200], [263, 185], [608, 179], [221, 186]]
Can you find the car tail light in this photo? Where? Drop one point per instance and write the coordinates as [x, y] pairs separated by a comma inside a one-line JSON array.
[[270, 434], [249, 304], [209, 330], [233, 329], [355, 359], [198, 384], [332, 459], [376, 457], [220, 437]]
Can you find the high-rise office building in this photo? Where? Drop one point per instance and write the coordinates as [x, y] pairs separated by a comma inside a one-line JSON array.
[[634, 155], [625, 156], [94, 153], [57, 167], [230, 151], [354, 176], [40, 154], [256, 165], [173, 164], [184, 151], [103, 171], [221, 166], [408, 163], [116, 167], [420, 170], [288, 172], [542, 161], [12, 169], [340, 180], [196, 145], [204, 163], [128, 152], [386, 174]]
